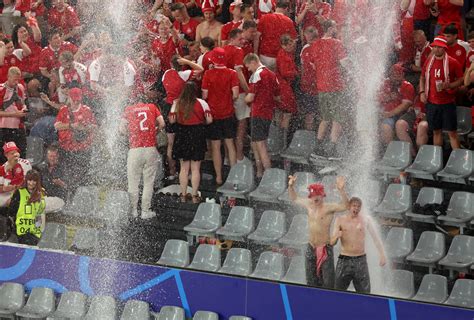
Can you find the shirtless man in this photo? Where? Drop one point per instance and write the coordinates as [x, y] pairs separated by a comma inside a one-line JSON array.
[[352, 262], [320, 266], [210, 27]]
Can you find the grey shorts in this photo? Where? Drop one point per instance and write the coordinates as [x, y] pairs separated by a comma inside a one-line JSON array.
[[353, 269], [331, 105]]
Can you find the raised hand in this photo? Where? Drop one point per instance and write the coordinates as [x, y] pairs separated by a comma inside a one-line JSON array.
[[340, 183], [291, 180]]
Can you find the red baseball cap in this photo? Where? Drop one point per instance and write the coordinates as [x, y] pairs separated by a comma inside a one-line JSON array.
[[316, 189], [440, 41], [10, 146], [75, 94], [217, 56]]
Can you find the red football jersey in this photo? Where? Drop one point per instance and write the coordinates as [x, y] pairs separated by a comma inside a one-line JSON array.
[[174, 81], [49, 58], [265, 86], [323, 9], [272, 26], [437, 74], [234, 56], [66, 138], [459, 53], [195, 117], [141, 120], [164, 51], [421, 11], [228, 27], [188, 29], [405, 92], [15, 176], [219, 83], [8, 62], [307, 83], [31, 62], [65, 20], [286, 72]]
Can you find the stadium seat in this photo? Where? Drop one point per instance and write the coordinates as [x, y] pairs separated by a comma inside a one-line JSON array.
[[207, 258], [102, 308], [273, 184], [303, 180], [297, 235], [40, 304], [86, 239], [332, 195], [396, 202], [237, 262], [116, 208], [397, 157], [239, 318], [136, 310], [12, 298], [206, 221], [34, 150], [171, 313], [53, 237], [460, 255], [271, 227], [205, 315], [175, 254], [459, 167], [428, 161], [239, 182], [296, 271], [460, 210], [433, 289], [399, 244], [275, 140], [85, 202], [427, 195], [464, 116], [239, 224], [72, 305], [270, 266], [401, 284], [430, 249], [462, 294], [300, 147]]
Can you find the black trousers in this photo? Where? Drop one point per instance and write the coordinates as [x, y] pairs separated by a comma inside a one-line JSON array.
[[327, 276], [353, 269]]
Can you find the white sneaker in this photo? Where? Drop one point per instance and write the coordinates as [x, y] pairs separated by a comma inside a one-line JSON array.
[[148, 214]]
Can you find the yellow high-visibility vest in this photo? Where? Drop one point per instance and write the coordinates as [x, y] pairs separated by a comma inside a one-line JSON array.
[[28, 213]]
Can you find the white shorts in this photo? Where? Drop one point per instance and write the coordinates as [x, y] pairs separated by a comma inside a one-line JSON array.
[[268, 62], [242, 110]]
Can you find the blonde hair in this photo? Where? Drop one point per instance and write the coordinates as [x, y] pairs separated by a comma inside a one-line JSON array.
[[14, 71]]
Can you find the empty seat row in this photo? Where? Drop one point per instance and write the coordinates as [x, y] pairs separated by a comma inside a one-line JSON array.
[[55, 237], [237, 262], [240, 225]]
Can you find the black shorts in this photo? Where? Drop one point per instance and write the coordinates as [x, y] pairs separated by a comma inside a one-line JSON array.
[[353, 269], [307, 103], [259, 129], [165, 111], [326, 277], [442, 116], [222, 129]]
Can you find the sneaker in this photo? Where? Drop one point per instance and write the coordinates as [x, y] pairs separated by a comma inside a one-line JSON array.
[[148, 214]]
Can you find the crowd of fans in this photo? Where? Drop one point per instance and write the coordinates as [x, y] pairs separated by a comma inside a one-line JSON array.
[[214, 74]]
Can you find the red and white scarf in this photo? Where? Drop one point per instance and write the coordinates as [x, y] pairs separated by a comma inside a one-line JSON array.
[[428, 69]]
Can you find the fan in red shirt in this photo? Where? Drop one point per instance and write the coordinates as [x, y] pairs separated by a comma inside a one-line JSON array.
[[9, 57], [313, 13], [264, 95], [455, 50], [423, 50], [271, 27], [421, 16], [185, 25], [265, 7], [166, 45], [206, 46], [49, 58], [286, 72], [21, 38], [448, 12], [308, 93], [63, 17], [220, 87], [140, 121], [441, 74], [236, 22], [250, 36], [12, 172]]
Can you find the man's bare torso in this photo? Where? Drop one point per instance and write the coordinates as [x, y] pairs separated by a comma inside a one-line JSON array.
[[319, 222], [212, 30], [353, 235]]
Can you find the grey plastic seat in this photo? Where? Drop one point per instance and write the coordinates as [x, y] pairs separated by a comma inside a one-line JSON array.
[[40, 304], [427, 195], [206, 220], [460, 210], [303, 180], [396, 202], [12, 298], [428, 161], [239, 224], [175, 254], [205, 315], [430, 249], [116, 207], [297, 235], [296, 272], [53, 237], [273, 184], [102, 308], [86, 239], [433, 289], [460, 255], [171, 313], [459, 167], [207, 258], [240, 318], [72, 305], [401, 284], [271, 227], [270, 266], [85, 202], [136, 310], [397, 157], [399, 244], [240, 181], [275, 140], [462, 294], [34, 150], [237, 262], [464, 120], [332, 195], [301, 146]]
